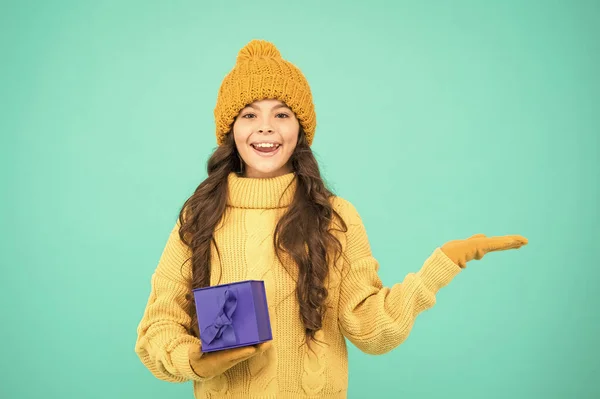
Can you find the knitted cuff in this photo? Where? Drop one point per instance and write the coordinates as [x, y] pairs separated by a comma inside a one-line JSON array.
[[438, 271]]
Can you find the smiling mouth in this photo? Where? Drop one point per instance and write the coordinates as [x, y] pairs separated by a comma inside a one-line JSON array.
[[265, 148]]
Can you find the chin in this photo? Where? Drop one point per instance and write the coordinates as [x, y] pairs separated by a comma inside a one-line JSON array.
[[266, 171]]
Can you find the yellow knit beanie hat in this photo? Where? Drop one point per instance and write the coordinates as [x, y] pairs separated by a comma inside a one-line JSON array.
[[261, 73]]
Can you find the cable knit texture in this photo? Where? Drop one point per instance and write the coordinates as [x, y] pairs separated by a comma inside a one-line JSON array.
[[376, 319]]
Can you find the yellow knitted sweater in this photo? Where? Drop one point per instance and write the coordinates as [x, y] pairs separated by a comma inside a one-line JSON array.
[[374, 318]]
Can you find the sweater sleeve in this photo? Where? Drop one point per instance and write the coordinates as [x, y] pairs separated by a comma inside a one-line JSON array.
[[163, 336], [376, 319]]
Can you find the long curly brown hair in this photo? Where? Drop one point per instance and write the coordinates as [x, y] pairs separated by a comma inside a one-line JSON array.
[[304, 232]]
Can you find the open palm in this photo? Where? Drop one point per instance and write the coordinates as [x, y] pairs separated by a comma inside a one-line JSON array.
[[475, 247]]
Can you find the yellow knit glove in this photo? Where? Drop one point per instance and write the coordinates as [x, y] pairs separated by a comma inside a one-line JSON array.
[[475, 247], [208, 365]]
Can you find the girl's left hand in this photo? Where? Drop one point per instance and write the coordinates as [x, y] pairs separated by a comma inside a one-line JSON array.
[[475, 247]]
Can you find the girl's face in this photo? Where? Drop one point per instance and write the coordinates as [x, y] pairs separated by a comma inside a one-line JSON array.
[[266, 133]]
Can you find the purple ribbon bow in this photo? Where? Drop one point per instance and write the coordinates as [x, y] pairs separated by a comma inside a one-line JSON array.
[[222, 328]]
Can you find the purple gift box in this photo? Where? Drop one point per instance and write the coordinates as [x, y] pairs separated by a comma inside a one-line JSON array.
[[232, 315]]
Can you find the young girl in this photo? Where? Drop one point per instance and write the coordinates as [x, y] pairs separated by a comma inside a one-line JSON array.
[[264, 213]]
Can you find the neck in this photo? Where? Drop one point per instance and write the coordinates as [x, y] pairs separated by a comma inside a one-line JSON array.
[[254, 173]]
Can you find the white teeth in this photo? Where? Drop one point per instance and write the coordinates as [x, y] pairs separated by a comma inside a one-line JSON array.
[[266, 145]]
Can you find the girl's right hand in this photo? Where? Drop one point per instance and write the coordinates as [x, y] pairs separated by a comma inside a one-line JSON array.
[[208, 365]]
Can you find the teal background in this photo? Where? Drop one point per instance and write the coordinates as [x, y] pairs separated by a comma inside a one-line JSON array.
[[438, 120]]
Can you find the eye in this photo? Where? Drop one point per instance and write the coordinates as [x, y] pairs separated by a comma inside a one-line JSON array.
[[284, 115], [247, 115]]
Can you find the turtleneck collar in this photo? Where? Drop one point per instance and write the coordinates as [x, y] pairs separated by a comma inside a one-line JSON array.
[[261, 193]]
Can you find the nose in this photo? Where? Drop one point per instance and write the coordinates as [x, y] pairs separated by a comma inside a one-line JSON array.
[[264, 126]]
